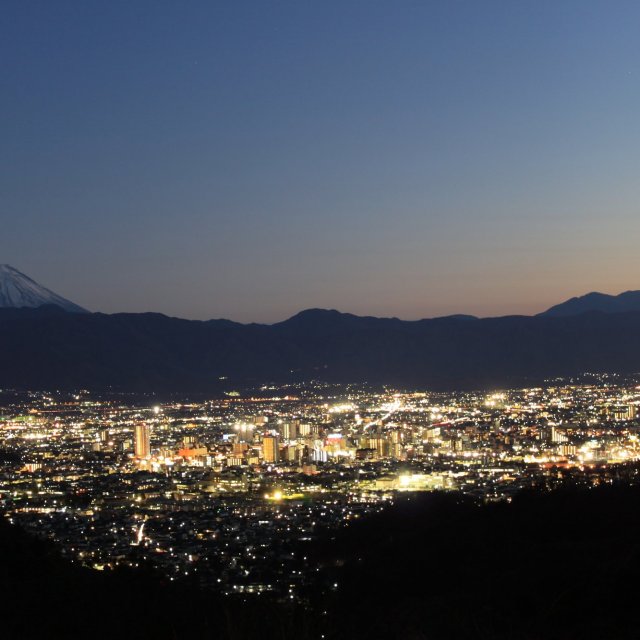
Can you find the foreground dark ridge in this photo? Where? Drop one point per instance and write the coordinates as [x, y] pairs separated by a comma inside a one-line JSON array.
[[45, 596], [559, 566], [49, 348]]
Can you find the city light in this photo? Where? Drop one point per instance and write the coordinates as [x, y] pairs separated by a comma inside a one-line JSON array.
[[261, 475]]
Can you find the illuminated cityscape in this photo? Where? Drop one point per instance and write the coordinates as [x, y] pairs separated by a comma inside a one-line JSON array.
[[319, 320], [227, 492]]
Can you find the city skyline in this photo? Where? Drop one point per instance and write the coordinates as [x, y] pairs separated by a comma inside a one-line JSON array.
[[250, 161]]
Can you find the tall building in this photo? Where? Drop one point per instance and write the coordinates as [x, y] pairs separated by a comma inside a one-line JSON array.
[[556, 435], [142, 441], [270, 451], [240, 448], [622, 412], [305, 430], [289, 430], [379, 444]]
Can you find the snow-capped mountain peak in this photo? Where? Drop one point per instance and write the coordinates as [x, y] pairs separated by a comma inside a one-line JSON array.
[[18, 290]]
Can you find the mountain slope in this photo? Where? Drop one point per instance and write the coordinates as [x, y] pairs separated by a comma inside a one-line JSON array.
[[627, 301], [18, 290], [49, 348]]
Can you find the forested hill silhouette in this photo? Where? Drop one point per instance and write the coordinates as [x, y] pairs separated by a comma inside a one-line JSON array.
[[559, 566], [50, 348]]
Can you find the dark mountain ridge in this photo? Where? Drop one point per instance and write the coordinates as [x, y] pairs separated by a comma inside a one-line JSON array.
[[50, 348]]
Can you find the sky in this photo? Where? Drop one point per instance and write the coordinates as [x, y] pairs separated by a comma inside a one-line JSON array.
[[249, 159]]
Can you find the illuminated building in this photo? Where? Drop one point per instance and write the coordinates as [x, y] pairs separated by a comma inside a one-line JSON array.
[[622, 412], [142, 443], [240, 448], [192, 452], [557, 436], [270, 451], [289, 430], [378, 444], [305, 429], [291, 454]]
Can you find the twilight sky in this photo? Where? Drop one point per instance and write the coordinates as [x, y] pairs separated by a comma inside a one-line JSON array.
[[248, 159]]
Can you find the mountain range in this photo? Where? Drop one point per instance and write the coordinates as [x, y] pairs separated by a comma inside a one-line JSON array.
[[48, 347], [18, 290], [627, 301]]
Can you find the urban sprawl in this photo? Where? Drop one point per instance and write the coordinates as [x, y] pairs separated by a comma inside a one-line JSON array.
[[228, 492]]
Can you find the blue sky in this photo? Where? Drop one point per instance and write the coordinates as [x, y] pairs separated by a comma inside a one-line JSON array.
[[251, 159]]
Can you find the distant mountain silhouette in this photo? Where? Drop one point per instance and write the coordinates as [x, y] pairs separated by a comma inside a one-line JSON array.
[[627, 301], [50, 348]]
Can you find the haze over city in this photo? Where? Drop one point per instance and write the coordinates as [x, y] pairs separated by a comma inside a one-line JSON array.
[[248, 160]]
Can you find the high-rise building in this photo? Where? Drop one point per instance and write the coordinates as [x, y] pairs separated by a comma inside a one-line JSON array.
[[270, 451], [379, 444], [289, 430], [240, 448], [305, 429], [557, 435], [142, 441], [622, 412]]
